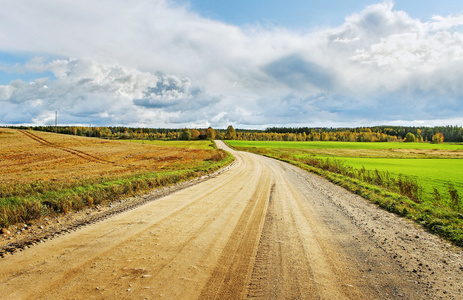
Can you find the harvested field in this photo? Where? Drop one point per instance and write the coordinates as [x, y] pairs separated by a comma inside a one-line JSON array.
[[26, 156], [37, 166]]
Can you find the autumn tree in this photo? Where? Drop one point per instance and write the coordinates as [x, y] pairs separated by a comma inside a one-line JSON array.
[[438, 138], [231, 133], [210, 133], [194, 134]]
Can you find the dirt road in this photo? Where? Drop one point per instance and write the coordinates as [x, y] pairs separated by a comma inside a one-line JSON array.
[[262, 229]]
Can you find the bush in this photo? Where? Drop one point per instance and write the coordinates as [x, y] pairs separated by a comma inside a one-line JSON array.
[[436, 196], [455, 198]]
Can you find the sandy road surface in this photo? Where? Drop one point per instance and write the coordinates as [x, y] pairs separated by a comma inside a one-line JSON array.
[[263, 229]]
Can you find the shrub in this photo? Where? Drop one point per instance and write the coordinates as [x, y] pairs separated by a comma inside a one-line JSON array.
[[436, 196], [410, 188], [455, 198]]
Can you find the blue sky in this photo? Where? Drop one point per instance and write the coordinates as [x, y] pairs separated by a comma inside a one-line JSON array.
[[252, 64], [304, 14]]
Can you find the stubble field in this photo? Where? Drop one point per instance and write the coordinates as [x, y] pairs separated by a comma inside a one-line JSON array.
[[45, 173]]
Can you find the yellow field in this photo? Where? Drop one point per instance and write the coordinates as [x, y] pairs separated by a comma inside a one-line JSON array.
[[52, 169], [27, 156]]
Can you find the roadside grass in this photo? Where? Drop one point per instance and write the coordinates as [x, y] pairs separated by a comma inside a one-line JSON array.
[[46, 174], [418, 189], [57, 201]]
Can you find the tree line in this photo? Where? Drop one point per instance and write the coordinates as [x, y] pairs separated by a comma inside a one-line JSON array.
[[360, 134], [127, 133], [422, 134]]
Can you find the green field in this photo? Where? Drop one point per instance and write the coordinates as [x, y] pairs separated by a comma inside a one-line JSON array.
[[432, 165], [400, 177], [430, 173]]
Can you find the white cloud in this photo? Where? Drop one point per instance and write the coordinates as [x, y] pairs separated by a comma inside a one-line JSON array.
[[154, 63], [87, 92], [443, 23]]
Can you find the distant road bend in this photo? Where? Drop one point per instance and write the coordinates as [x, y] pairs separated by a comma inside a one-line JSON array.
[[263, 229]]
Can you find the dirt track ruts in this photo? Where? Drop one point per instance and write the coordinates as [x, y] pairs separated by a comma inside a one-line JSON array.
[[262, 229], [72, 151]]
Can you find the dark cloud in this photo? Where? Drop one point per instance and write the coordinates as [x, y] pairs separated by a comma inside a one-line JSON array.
[[156, 103], [297, 73]]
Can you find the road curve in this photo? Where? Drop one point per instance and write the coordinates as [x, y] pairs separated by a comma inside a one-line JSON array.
[[263, 229]]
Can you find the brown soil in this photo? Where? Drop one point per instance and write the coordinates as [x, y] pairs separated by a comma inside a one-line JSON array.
[[262, 229]]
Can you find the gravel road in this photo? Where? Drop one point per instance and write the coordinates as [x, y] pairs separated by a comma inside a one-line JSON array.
[[262, 229]]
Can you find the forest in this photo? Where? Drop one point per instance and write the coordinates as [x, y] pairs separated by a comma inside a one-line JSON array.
[[358, 134]]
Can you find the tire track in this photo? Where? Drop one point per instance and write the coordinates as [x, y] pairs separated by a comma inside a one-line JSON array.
[[72, 151], [233, 271], [259, 282]]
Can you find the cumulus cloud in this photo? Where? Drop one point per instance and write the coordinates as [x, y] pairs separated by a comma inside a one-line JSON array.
[[87, 92], [155, 63]]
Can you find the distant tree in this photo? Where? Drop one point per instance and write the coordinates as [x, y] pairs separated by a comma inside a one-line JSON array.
[[438, 138], [194, 134], [219, 134], [230, 134], [202, 134], [210, 133], [186, 135], [409, 138]]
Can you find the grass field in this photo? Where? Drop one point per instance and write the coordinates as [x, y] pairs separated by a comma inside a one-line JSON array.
[[429, 172], [423, 169], [432, 165], [45, 173]]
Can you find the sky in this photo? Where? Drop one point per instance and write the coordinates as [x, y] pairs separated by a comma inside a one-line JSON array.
[[250, 64]]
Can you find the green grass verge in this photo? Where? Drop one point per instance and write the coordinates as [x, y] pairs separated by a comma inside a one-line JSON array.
[[436, 218], [26, 209], [433, 171]]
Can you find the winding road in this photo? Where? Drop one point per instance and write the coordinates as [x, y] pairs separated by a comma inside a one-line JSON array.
[[262, 229]]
